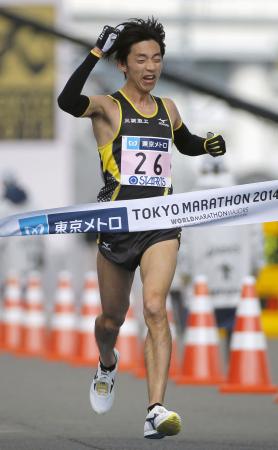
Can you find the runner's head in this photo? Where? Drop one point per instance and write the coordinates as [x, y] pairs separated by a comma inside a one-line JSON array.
[[137, 30], [139, 50]]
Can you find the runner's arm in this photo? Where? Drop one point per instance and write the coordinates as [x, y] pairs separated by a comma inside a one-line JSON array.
[[187, 143], [71, 100], [191, 144]]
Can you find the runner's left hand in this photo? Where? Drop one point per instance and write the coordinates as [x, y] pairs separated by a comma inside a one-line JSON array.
[[215, 145]]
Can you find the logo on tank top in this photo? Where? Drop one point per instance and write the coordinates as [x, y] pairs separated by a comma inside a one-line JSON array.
[[137, 120], [146, 161], [163, 122]]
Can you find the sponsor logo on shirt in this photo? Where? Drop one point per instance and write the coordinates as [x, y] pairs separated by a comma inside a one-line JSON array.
[[144, 180], [147, 143], [136, 120], [163, 122]]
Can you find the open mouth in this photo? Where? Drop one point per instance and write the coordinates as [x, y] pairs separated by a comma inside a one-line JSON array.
[[149, 78]]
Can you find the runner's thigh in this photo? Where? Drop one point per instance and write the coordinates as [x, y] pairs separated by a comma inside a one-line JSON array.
[[157, 266], [114, 286]]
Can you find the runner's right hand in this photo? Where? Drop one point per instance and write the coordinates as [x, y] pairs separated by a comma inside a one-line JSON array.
[[107, 37]]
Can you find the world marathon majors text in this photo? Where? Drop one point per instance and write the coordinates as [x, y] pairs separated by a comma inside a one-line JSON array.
[[205, 204], [101, 220]]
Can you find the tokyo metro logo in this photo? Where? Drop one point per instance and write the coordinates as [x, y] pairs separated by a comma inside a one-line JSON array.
[[34, 225]]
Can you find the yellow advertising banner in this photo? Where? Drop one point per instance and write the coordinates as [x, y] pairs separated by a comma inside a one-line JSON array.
[[27, 77]]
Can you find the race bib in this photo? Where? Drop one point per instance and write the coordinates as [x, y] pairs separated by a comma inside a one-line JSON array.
[[146, 161]]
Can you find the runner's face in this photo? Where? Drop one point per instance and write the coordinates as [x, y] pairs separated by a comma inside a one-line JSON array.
[[144, 65]]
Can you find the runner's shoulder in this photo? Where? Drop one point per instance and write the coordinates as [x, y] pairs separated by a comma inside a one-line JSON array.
[[173, 111]]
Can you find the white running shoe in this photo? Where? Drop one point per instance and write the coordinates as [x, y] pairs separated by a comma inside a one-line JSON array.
[[160, 423], [102, 388]]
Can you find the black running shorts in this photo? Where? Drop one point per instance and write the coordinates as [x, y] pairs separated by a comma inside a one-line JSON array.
[[126, 249]]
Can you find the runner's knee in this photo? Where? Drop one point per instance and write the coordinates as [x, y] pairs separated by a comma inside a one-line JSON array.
[[111, 322], [154, 308]]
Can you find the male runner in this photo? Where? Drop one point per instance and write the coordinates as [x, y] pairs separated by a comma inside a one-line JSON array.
[[132, 117]]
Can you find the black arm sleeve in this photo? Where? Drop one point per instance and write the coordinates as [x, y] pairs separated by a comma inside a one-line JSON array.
[[187, 143], [70, 99]]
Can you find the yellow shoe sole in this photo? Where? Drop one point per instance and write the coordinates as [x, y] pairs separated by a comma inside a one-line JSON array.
[[170, 426]]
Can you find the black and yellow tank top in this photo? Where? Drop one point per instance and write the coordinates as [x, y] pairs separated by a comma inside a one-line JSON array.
[[137, 162]]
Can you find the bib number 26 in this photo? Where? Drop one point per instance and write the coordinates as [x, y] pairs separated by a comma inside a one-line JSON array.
[[157, 167]]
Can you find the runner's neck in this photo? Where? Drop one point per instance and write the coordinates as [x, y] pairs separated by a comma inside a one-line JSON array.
[[144, 102]]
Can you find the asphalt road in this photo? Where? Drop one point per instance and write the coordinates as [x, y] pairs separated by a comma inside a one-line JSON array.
[[45, 406]]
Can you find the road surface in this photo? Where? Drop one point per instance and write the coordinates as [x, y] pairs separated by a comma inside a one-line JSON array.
[[45, 406]]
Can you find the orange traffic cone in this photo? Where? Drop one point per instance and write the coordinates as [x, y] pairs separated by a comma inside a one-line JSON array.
[[248, 367], [1, 323], [87, 350], [201, 357], [127, 341], [174, 369], [1, 328], [62, 338], [33, 339], [140, 370], [12, 314]]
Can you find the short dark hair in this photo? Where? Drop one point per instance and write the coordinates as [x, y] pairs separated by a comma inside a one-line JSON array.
[[137, 30]]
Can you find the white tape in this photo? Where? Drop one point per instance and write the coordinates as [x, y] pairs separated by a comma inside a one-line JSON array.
[[249, 308], [64, 296], [129, 328], [12, 293], [63, 322], [233, 205], [34, 297], [34, 319], [201, 336], [13, 316], [87, 324], [248, 340], [200, 305], [91, 298], [173, 331]]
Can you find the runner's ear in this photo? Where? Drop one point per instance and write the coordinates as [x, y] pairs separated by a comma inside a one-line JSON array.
[[122, 67]]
